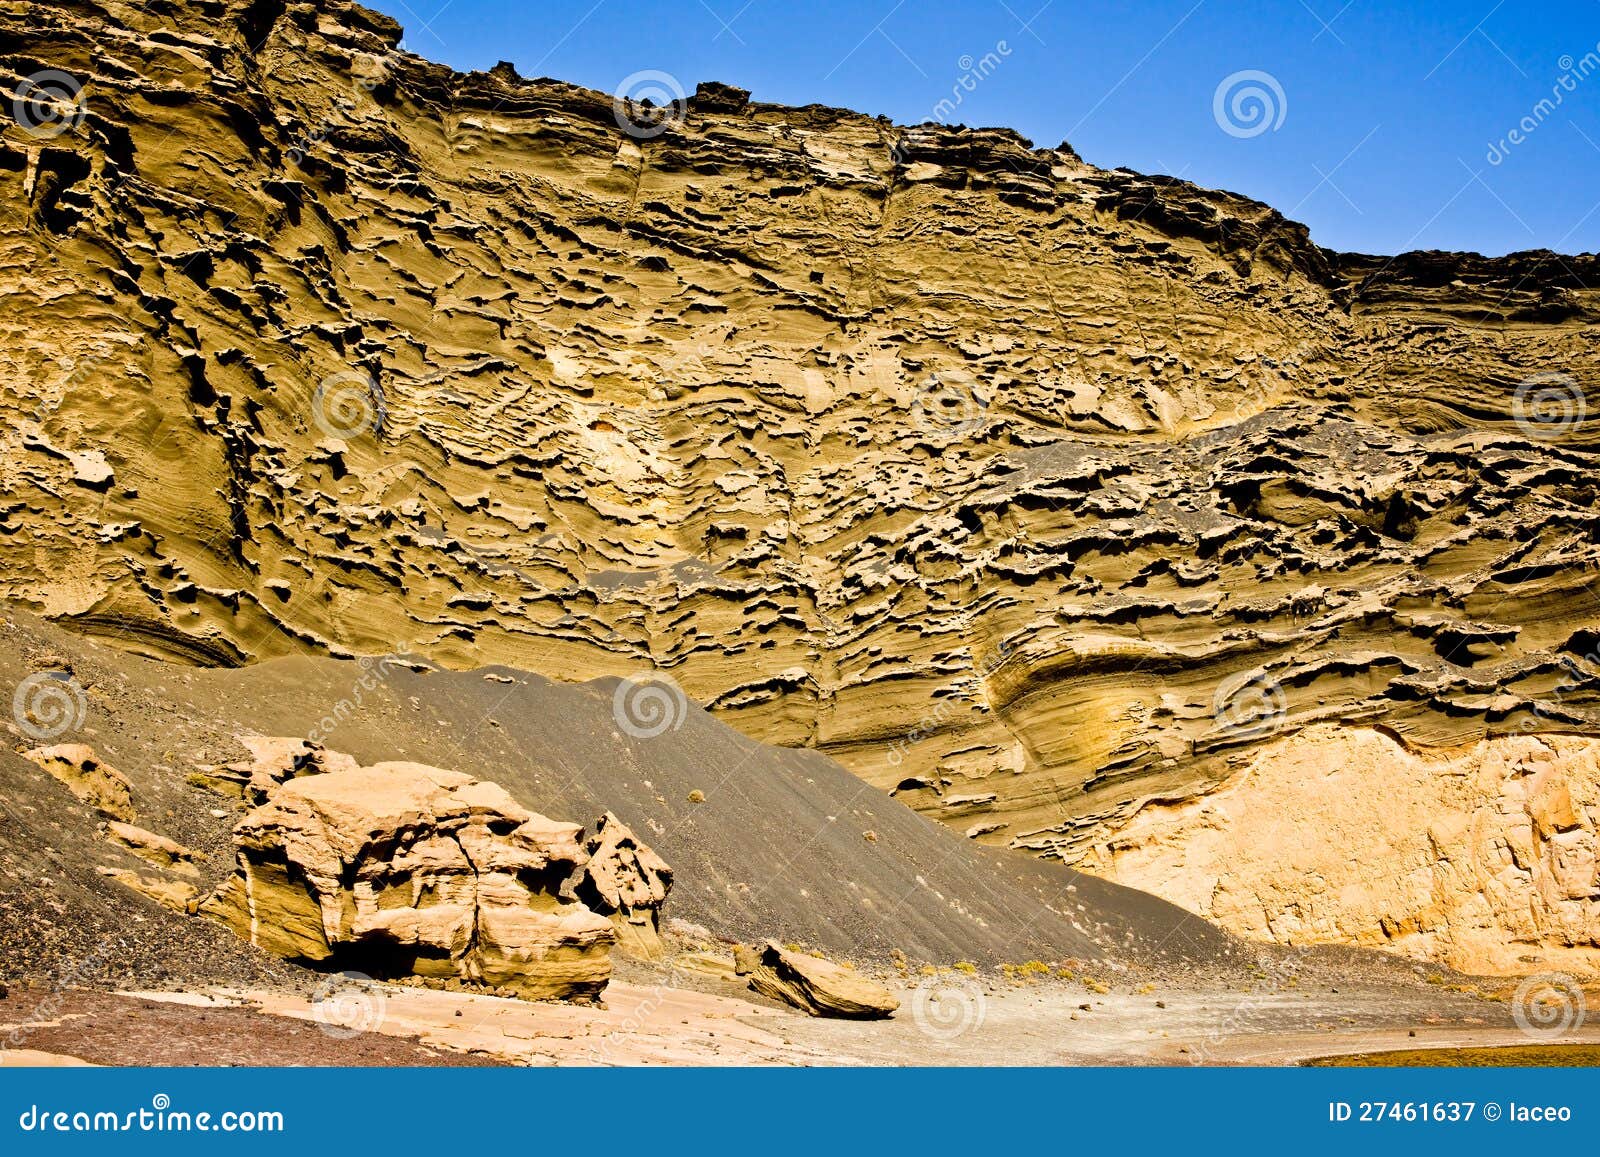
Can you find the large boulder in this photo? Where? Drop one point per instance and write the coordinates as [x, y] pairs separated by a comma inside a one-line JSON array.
[[815, 986], [403, 869], [628, 882]]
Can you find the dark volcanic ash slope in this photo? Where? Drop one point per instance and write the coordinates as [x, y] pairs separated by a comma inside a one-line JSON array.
[[1012, 483], [785, 844]]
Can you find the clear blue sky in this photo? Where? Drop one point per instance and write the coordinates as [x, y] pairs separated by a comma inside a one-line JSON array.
[[1388, 111]]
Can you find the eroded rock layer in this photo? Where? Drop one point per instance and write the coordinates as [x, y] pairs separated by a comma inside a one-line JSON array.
[[1019, 486], [402, 869], [1481, 857]]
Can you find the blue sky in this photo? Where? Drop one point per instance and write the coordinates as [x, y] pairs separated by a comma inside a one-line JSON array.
[[1381, 139]]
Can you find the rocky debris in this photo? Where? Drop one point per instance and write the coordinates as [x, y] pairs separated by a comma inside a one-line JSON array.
[[97, 784], [628, 882], [816, 986], [921, 888], [402, 869], [1481, 857]]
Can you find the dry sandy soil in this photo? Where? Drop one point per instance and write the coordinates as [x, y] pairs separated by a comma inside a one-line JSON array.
[[1047, 1023]]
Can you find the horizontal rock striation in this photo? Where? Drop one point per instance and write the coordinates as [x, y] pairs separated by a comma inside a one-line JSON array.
[[1026, 489]]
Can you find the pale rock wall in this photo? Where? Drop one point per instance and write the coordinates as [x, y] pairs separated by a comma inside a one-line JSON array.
[[1481, 856]]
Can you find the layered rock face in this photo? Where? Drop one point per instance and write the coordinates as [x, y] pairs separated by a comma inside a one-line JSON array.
[[402, 869], [1025, 488], [1481, 857]]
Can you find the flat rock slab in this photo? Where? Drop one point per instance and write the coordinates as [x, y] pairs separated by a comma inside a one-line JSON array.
[[815, 986]]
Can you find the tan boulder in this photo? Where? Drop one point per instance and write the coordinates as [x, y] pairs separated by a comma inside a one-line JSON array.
[[404, 869], [274, 760], [816, 986], [97, 784], [153, 848], [628, 882], [164, 890]]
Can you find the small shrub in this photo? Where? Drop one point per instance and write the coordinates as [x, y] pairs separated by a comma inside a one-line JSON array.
[[697, 796]]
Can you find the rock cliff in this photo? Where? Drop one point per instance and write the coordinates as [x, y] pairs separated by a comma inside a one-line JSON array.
[[1481, 857], [1026, 489]]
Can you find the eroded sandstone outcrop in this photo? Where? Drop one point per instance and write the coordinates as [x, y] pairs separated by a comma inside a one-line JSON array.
[[628, 882], [816, 986], [80, 770], [274, 760], [402, 869], [1482, 856]]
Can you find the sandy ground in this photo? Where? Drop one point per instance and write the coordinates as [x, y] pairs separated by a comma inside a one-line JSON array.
[[643, 1024]]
